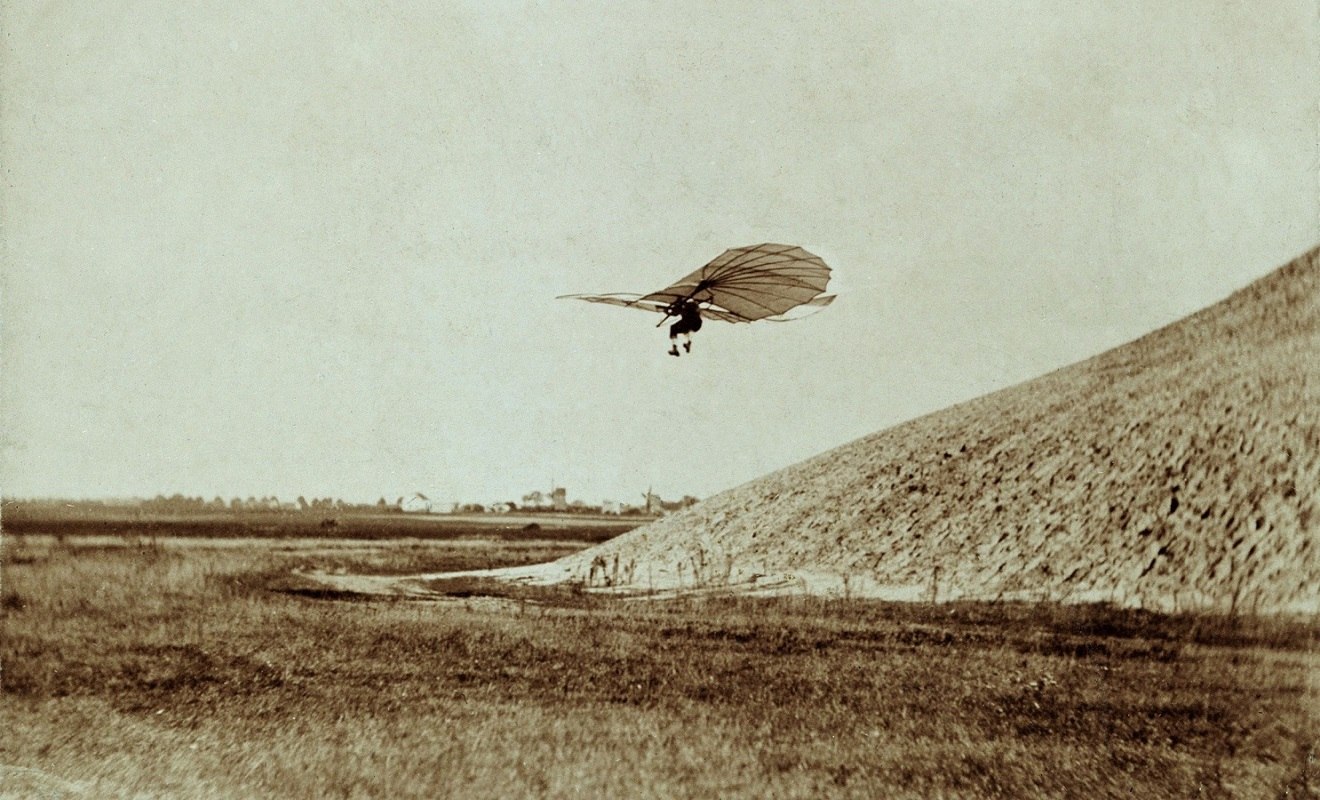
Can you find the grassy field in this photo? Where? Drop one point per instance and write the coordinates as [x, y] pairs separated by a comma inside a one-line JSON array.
[[145, 667], [50, 520]]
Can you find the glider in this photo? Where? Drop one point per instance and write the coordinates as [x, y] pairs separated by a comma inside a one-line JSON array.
[[744, 284]]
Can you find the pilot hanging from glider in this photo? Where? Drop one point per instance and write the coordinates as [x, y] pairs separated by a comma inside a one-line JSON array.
[[743, 284], [689, 322]]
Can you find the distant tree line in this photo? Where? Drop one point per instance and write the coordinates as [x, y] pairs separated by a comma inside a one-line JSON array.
[[180, 504]]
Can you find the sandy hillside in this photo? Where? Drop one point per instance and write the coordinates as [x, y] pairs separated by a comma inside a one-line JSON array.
[[1180, 470]]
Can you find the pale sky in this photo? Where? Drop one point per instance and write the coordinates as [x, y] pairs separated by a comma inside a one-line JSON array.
[[312, 248]]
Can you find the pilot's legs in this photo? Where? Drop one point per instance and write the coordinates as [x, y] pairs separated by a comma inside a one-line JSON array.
[[676, 330], [685, 330]]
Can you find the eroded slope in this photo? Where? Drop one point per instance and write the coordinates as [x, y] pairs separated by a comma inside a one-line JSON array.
[[1180, 470]]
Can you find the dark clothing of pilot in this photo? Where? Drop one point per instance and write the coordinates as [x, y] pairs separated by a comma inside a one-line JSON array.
[[689, 322], [689, 319]]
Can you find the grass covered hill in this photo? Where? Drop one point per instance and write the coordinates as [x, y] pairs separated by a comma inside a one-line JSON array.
[[1178, 471]]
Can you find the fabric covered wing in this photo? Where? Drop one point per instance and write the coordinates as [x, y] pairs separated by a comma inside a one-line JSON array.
[[745, 284], [626, 301], [633, 301], [805, 310]]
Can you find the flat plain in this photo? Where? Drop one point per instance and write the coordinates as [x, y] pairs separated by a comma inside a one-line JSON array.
[[140, 664]]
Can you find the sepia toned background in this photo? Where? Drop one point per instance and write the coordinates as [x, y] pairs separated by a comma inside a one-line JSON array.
[[302, 249]]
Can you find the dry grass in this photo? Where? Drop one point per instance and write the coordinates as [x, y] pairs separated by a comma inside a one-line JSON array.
[[178, 672], [48, 518]]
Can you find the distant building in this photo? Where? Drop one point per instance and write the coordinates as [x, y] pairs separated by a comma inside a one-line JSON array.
[[658, 506], [559, 498]]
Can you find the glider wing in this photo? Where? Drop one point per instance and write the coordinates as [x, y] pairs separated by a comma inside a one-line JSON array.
[[750, 283], [744, 284]]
